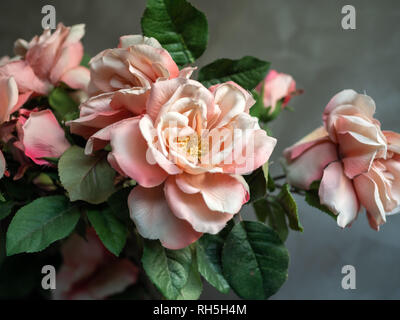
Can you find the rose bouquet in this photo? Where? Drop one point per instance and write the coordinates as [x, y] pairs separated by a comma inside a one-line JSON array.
[[127, 176]]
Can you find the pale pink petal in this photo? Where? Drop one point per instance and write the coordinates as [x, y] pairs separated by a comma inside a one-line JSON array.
[[8, 98], [149, 134], [131, 40], [349, 97], [337, 193], [24, 77], [220, 192], [97, 113], [393, 139], [186, 72], [129, 150], [154, 219], [70, 58], [88, 125], [232, 101], [165, 96], [309, 167], [318, 136], [358, 152], [250, 146], [153, 62], [77, 78], [43, 137], [368, 194], [133, 100], [193, 209]]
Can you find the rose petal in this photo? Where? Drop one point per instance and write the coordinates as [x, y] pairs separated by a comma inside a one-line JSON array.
[[129, 150], [309, 167], [337, 193], [193, 209], [131, 40], [8, 98], [154, 220], [43, 137], [77, 78], [220, 192]]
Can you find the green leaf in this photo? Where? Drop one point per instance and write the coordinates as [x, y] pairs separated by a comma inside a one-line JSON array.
[[85, 60], [110, 230], [194, 286], [271, 212], [209, 249], [40, 223], [288, 203], [257, 184], [168, 269], [6, 208], [118, 202], [254, 260], [271, 184], [312, 198], [178, 26], [247, 72], [62, 103], [88, 178]]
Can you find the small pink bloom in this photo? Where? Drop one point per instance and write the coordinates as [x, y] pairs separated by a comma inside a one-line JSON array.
[[55, 57], [348, 118], [357, 163], [42, 136], [277, 86], [120, 83], [90, 272], [186, 154]]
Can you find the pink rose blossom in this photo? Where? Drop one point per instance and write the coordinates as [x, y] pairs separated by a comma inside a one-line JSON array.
[[121, 80], [56, 57], [187, 153], [90, 272], [42, 136], [277, 86], [356, 162]]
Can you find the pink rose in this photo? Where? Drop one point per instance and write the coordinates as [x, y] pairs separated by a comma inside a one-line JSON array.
[[348, 118], [27, 82], [379, 189], [186, 153], [277, 86], [120, 83], [41, 136], [56, 57], [356, 162], [90, 272]]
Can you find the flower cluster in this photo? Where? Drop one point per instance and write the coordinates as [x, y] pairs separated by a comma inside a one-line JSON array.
[[184, 144], [358, 163]]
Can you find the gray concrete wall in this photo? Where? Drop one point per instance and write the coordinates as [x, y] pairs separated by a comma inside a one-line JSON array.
[[303, 38]]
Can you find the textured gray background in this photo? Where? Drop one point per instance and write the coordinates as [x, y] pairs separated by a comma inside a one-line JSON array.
[[305, 39]]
